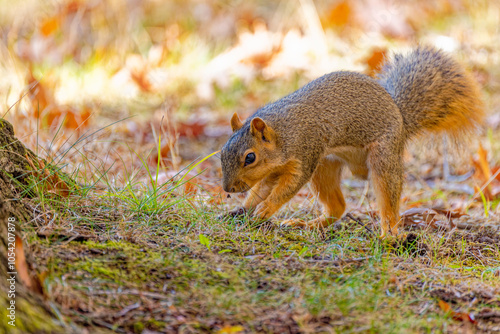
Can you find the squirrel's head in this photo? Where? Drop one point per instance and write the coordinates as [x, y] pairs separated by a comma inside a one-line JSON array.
[[249, 155]]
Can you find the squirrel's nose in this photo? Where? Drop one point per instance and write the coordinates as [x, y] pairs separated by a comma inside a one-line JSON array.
[[229, 188]]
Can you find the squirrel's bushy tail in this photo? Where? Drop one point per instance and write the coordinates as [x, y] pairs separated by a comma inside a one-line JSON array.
[[433, 92]]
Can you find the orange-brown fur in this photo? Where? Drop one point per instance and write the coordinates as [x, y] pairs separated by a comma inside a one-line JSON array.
[[347, 119]]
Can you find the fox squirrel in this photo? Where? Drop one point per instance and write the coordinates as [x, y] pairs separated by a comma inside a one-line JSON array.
[[347, 119]]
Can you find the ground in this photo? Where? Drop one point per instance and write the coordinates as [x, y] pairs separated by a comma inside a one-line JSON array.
[[120, 214]]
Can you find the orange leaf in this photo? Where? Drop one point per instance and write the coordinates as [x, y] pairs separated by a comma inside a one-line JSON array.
[[139, 72], [339, 15], [461, 316], [164, 151], [375, 61], [494, 171], [444, 306], [31, 282], [230, 329], [49, 26], [21, 265], [190, 187], [217, 195], [483, 172], [483, 163], [39, 95], [73, 119]]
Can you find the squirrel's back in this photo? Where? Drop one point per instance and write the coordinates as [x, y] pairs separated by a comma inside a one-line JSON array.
[[433, 92]]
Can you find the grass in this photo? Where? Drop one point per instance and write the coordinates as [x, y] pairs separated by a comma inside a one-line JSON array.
[[120, 266], [151, 256]]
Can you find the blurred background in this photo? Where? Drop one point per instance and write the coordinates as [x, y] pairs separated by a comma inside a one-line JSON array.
[[123, 82]]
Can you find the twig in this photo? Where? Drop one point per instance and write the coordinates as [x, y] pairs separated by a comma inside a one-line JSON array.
[[357, 220], [342, 261]]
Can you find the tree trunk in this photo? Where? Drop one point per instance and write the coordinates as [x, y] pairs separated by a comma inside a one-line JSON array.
[[22, 305]]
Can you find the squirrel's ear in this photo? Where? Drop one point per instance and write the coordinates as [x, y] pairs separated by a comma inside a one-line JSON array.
[[236, 123], [261, 130], [258, 125]]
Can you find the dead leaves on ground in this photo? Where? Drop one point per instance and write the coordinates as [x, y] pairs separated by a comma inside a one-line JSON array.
[[433, 218], [487, 185], [49, 179], [27, 276], [227, 329], [488, 177], [44, 107], [461, 316]]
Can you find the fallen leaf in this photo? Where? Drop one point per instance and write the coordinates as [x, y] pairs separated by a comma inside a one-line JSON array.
[[49, 178], [339, 15], [482, 163], [191, 129], [461, 316], [484, 174], [164, 153], [31, 282], [72, 118], [449, 213], [40, 96], [49, 26], [230, 330], [375, 61], [418, 215], [139, 70]]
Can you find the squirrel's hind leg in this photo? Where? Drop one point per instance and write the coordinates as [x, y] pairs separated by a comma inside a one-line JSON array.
[[326, 183], [386, 173]]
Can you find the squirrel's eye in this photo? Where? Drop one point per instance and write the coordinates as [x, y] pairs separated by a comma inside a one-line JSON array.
[[250, 158]]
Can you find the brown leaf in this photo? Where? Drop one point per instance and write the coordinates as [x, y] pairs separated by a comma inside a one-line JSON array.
[[461, 316], [483, 173], [72, 118], [40, 96], [164, 153], [449, 213], [49, 179], [191, 129], [417, 215], [32, 282], [483, 164], [139, 70], [495, 171]]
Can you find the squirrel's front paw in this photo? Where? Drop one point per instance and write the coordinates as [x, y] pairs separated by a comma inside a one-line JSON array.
[[263, 211]]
